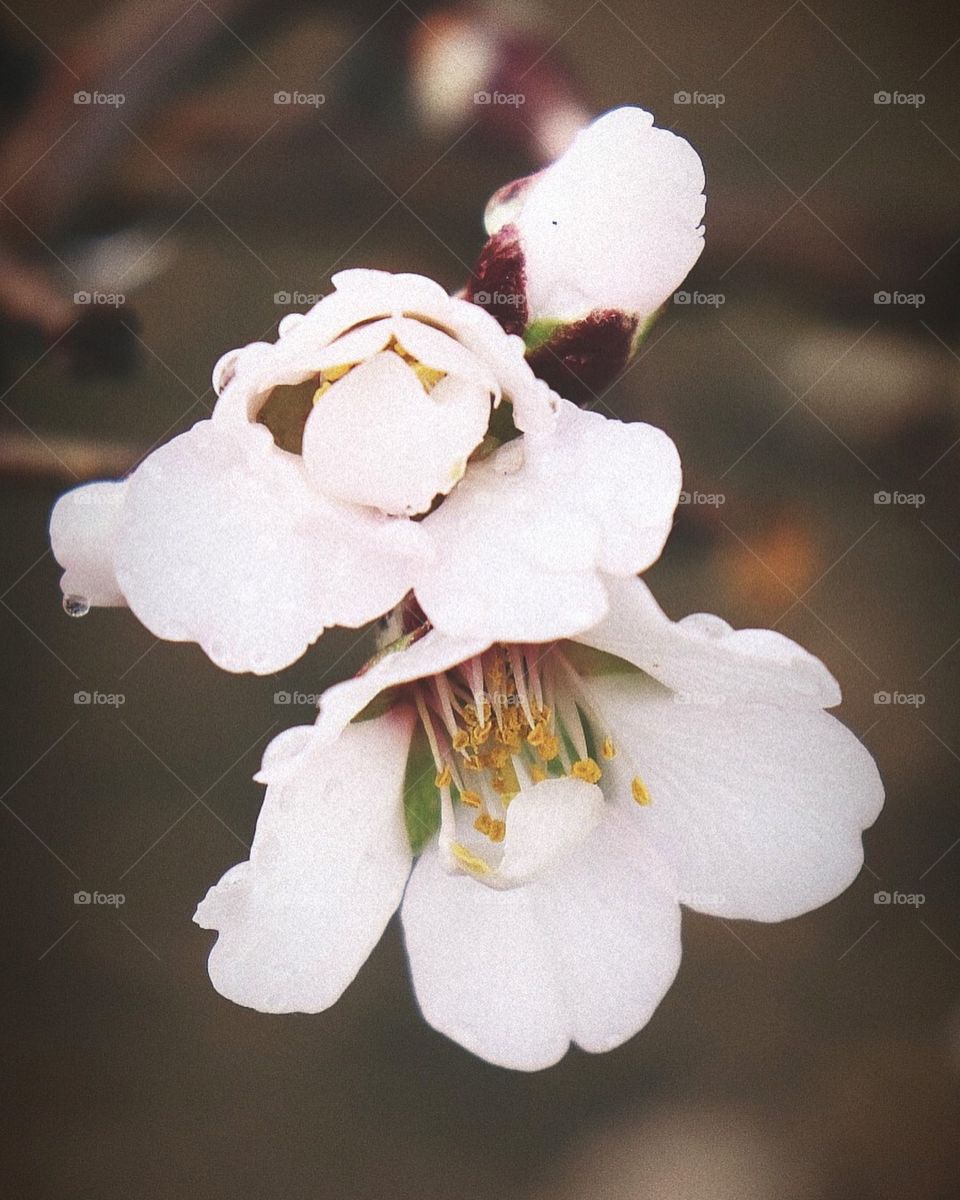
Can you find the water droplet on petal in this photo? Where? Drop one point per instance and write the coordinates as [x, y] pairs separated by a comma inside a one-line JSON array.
[[76, 606]]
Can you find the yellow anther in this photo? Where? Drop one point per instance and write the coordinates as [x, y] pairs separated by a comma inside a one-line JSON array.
[[471, 799], [497, 831], [549, 748], [538, 774], [461, 740], [480, 733], [472, 762], [429, 376], [608, 749], [537, 734], [509, 738], [469, 861], [587, 770], [496, 758], [499, 783], [332, 374], [444, 778], [483, 823], [640, 793]]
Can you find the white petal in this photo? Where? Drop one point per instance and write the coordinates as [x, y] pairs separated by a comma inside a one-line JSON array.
[[83, 532], [545, 824], [626, 477], [327, 869], [224, 542], [758, 808], [358, 320], [526, 540], [583, 954], [613, 223], [704, 659], [430, 655], [509, 566], [377, 438]]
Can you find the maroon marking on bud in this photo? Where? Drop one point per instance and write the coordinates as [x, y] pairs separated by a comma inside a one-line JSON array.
[[499, 280], [584, 357]]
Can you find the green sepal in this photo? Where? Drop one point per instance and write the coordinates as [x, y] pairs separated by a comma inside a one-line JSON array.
[[539, 332], [379, 705], [588, 661], [421, 800]]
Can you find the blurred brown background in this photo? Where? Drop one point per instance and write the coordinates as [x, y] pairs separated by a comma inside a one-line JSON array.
[[815, 1059]]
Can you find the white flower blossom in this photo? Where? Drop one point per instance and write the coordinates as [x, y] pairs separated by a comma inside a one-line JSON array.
[[539, 813], [613, 224], [250, 547]]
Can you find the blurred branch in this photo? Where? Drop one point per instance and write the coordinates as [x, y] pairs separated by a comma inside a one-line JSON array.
[[64, 460]]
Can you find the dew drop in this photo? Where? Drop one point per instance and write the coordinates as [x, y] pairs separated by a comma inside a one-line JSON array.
[[76, 606]]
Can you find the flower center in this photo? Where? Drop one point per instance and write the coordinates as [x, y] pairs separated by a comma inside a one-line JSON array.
[[429, 377], [286, 409], [505, 720]]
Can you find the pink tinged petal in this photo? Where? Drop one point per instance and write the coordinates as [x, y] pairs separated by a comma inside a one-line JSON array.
[[378, 438], [224, 542], [83, 534], [327, 869], [613, 223], [545, 824], [582, 954], [703, 658], [758, 808]]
